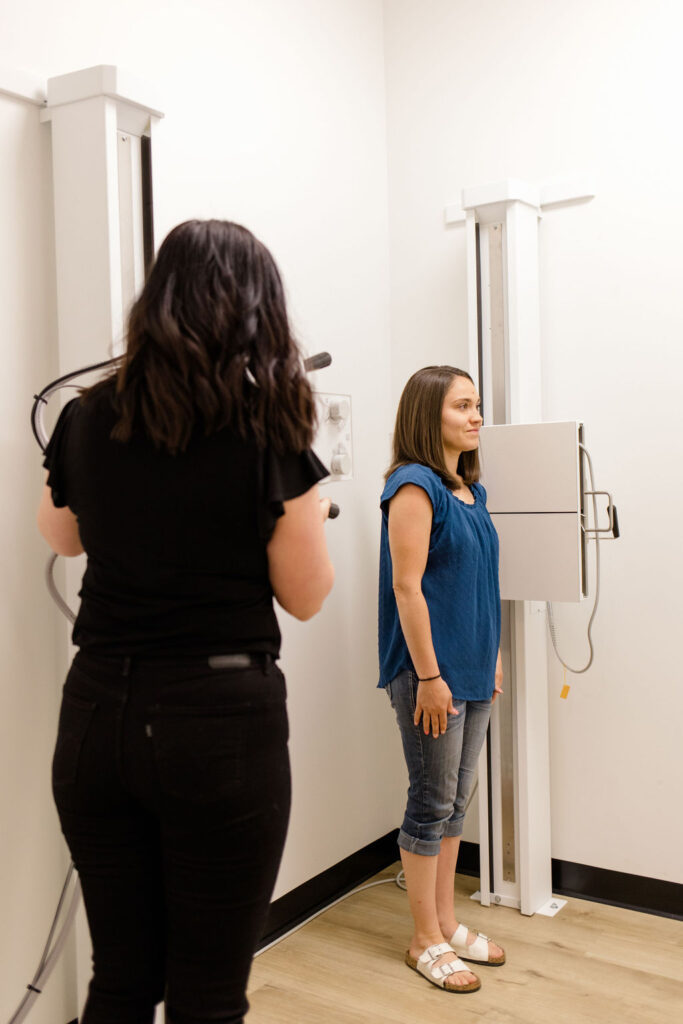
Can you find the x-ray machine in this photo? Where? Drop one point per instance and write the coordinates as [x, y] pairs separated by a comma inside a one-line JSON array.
[[537, 496]]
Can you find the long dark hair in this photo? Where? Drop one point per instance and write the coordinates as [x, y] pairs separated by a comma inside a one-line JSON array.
[[418, 435], [209, 345]]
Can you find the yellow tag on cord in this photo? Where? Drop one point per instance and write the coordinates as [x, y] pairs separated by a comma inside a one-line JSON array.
[[564, 693]]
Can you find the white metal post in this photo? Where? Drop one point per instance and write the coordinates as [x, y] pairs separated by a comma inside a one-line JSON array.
[[507, 312], [97, 211]]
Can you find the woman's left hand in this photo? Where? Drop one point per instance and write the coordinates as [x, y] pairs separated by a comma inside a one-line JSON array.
[[498, 678]]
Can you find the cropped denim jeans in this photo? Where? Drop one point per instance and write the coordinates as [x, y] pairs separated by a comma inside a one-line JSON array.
[[441, 770]]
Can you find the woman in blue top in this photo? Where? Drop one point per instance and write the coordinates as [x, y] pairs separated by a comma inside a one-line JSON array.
[[439, 634]]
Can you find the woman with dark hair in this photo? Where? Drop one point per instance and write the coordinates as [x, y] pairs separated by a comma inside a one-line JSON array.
[[187, 478], [439, 634]]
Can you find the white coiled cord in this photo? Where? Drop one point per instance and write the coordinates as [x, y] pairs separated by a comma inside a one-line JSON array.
[[549, 607]]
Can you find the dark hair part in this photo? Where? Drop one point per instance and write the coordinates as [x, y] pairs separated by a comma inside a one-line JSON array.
[[418, 435], [209, 345]]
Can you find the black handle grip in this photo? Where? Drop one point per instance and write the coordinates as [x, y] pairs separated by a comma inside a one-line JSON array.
[[334, 511], [317, 362], [615, 523]]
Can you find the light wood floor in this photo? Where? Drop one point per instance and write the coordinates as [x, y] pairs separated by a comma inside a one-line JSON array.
[[591, 964]]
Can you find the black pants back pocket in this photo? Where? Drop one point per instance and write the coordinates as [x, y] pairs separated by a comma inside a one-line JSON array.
[[199, 754]]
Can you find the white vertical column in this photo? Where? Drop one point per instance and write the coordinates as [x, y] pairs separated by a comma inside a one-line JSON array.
[[523, 342], [532, 752], [97, 117], [87, 234], [513, 208], [532, 756]]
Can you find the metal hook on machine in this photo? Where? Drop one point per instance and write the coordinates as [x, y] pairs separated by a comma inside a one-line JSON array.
[[613, 527]]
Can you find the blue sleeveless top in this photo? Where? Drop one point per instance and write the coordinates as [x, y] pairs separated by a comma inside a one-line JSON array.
[[460, 585]]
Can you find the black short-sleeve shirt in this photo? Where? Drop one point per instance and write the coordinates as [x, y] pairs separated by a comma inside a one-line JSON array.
[[176, 544]]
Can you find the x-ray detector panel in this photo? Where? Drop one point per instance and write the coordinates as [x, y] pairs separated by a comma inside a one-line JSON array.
[[532, 475]]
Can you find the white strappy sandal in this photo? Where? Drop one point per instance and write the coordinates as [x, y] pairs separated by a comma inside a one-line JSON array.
[[478, 951], [438, 974]]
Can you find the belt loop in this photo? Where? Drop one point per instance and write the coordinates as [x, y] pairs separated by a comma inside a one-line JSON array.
[[125, 669]]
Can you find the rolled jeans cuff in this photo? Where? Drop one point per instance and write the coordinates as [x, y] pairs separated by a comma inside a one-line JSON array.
[[424, 847]]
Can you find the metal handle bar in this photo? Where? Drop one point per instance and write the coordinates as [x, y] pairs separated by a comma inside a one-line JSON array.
[[613, 527]]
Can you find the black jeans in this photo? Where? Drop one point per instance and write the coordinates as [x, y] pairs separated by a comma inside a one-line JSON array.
[[172, 785]]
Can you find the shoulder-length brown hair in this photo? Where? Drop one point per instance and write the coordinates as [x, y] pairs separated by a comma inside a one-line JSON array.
[[418, 435], [209, 345]]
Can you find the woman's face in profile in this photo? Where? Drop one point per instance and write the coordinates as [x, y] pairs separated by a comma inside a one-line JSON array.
[[461, 416]]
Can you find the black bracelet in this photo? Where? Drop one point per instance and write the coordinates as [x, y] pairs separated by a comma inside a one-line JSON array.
[[428, 679]]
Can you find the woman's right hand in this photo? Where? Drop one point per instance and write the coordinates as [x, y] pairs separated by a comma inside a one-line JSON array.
[[433, 704]]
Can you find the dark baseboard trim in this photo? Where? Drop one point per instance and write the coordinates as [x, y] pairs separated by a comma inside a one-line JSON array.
[[294, 907], [616, 888]]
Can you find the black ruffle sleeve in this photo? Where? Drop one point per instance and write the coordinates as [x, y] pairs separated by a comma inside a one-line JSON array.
[[284, 477], [54, 456]]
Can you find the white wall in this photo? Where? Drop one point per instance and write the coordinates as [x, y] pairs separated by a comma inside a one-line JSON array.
[[32, 859], [275, 117], [536, 90]]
